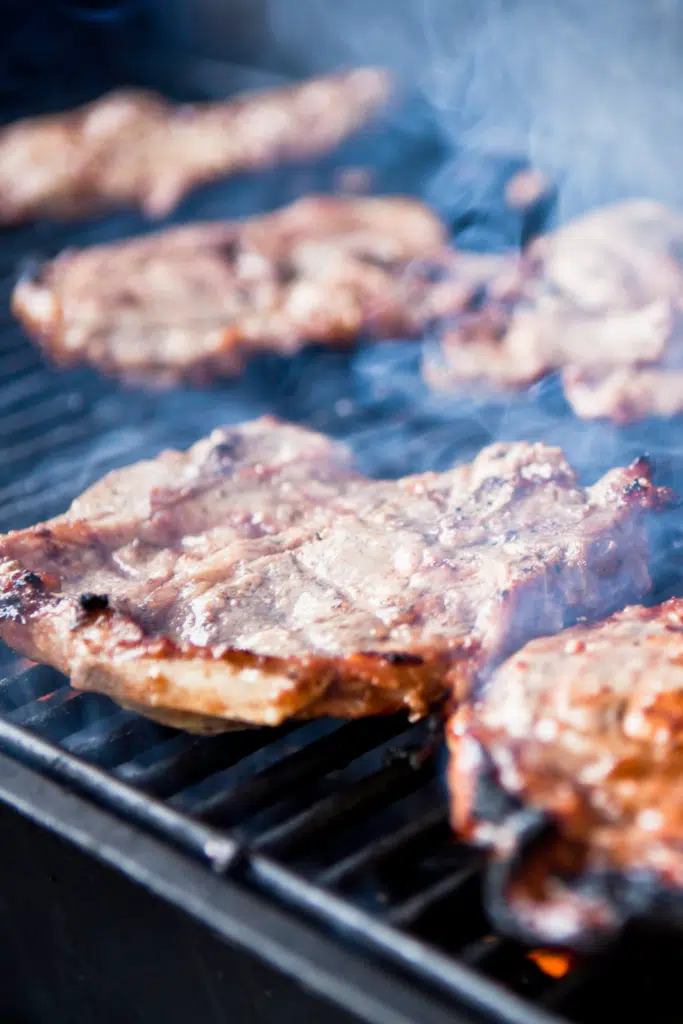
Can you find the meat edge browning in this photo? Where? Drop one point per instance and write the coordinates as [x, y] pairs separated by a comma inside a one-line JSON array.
[[109, 653], [36, 302], [538, 886], [557, 874], [39, 311]]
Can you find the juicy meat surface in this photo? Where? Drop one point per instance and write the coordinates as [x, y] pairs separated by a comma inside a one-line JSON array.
[[257, 576], [600, 298], [587, 727], [196, 300], [134, 148]]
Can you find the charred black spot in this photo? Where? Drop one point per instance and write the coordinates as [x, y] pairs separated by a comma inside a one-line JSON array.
[[478, 298], [22, 599], [90, 602], [226, 452], [285, 271], [635, 487], [229, 250], [32, 579], [128, 298], [395, 657]]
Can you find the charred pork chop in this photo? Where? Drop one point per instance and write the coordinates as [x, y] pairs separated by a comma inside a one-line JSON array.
[[257, 577], [585, 727], [601, 299], [134, 148], [195, 301]]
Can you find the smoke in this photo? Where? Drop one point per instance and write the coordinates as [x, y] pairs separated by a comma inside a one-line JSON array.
[[589, 92]]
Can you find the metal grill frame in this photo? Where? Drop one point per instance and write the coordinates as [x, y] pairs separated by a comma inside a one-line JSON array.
[[240, 889], [196, 873]]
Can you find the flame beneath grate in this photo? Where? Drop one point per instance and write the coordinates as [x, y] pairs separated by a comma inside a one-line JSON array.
[[552, 963]]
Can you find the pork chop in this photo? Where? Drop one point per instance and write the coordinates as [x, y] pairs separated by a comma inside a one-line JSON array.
[[194, 301], [601, 299], [134, 148], [257, 577], [587, 728]]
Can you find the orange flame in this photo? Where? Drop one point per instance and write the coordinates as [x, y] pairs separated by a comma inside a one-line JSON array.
[[555, 965]]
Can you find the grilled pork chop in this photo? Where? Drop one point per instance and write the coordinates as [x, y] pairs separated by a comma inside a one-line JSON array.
[[257, 577], [133, 147], [587, 728], [601, 298], [195, 301]]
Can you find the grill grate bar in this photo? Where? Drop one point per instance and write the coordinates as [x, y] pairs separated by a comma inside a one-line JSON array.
[[335, 811], [58, 438], [408, 912], [27, 387], [46, 707], [59, 711], [125, 732], [440, 969], [476, 952], [416, 830], [194, 837], [17, 361], [316, 759], [187, 761], [38, 414]]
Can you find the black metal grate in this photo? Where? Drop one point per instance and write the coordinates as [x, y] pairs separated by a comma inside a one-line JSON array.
[[342, 824]]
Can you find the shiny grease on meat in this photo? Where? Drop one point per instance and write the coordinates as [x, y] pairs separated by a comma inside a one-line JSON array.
[[585, 728], [134, 148], [196, 301], [257, 577]]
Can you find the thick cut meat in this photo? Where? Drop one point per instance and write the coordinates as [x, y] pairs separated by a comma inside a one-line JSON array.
[[586, 727], [196, 300], [135, 148], [600, 298], [257, 577]]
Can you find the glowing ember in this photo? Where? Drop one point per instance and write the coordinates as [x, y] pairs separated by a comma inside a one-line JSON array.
[[68, 696], [555, 965]]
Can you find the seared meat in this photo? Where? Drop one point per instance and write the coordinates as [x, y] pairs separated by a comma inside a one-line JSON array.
[[624, 394], [602, 298], [587, 728], [257, 577], [135, 148], [196, 300]]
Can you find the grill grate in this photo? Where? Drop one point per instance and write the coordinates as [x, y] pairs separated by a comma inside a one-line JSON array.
[[342, 824]]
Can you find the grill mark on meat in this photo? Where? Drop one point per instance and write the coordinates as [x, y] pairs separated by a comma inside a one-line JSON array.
[[586, 729], [133, 148], [196, 301], [292, 586], [600, 299]]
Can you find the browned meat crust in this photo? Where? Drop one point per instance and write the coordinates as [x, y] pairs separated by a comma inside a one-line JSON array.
[[601, 298], [133, 148], [587, 727], [195, 301], [256, 577]]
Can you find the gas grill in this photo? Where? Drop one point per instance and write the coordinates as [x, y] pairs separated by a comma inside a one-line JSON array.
[[299, 873]]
